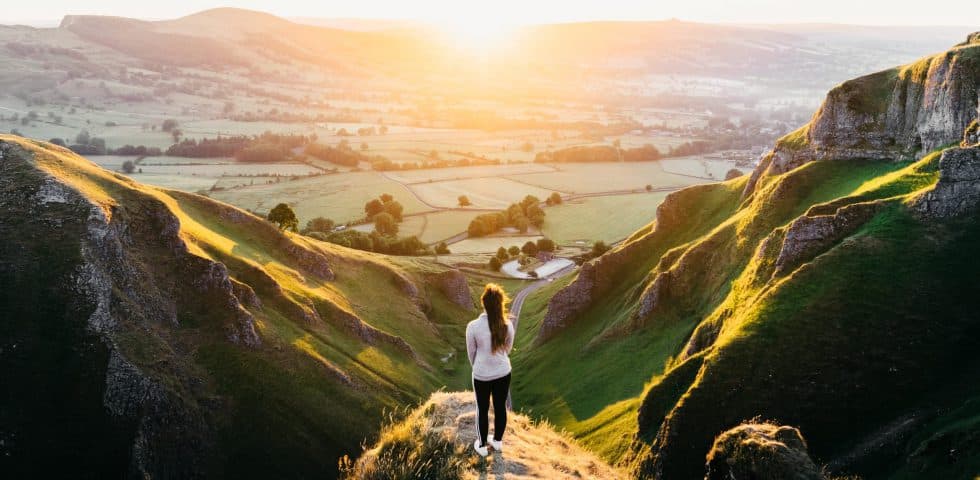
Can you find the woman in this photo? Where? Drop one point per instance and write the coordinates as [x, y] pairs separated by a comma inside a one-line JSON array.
[[489, 340]]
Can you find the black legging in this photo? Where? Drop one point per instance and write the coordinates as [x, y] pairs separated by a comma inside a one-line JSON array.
[[497, 388]]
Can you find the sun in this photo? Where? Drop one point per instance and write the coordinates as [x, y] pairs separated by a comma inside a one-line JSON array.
[[479, 34]]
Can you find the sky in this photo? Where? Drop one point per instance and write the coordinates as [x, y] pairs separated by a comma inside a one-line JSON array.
[[517, 12]]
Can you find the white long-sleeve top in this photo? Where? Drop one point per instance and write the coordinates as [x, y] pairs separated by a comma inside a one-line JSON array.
[[487, 365]]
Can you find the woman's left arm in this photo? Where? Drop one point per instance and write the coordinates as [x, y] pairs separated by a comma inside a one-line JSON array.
[[470, 344]]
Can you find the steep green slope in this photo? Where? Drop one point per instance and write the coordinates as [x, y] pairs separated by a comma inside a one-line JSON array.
[[158, 333], [832, 293]]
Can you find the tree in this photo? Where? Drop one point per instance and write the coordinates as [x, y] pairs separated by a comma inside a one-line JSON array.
[[57, 141], [546, 245], [649, 187], [554, 199], [514, 250], [319, 224], [128, 166], [522, 224], [168, 125], [442, 249], [530, 249], [733, 173], [464, 201], [529, 201], [385, 224], [536, 215], [598, 248], [373, 208], [284, 216], [83, 137], [176, 134], [395, 209], [495, 264], [502, 254]]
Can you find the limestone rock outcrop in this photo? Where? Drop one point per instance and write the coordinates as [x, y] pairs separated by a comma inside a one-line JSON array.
[[958, 188], [898, 114], [761, 452]]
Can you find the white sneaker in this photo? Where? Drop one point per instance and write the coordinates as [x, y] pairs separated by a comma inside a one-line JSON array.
[[482, 451], [498, 445]]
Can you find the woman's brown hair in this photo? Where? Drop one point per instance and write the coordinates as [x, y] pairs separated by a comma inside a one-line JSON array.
[[495, 303]]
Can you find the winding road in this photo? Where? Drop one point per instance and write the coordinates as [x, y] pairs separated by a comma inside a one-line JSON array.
[[518, 302]]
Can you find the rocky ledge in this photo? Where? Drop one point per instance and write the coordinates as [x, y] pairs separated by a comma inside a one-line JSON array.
[[898, 114], [958, 188]]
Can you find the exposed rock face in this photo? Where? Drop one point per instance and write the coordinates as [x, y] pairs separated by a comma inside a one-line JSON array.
[[598, 275], [896, 114], [452, 284], [971, 136], [569, 301], [760, 452], [958, 189], [809, 235]]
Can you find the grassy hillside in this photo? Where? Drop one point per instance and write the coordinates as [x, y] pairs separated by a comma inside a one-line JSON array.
[[209, 332], [819, 296]]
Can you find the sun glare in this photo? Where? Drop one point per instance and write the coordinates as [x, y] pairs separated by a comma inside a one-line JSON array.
[[479, 34]]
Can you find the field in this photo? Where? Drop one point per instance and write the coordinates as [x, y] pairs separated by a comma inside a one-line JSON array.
[[574, 178], [339, 196], [430, 227], [699, 167], [607, 218], [459, 173], [487, 193]]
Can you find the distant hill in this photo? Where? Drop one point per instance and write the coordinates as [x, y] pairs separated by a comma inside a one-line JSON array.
[[538, 59], [158, 334], [831, 291]]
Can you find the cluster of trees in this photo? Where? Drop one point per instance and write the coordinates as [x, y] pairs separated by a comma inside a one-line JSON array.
[[384, 204], [599, 153], [267, 147], [376, 242], [523, 253], [136, 150], [322, 228], [85, 144], [697, 147], [342, 154], [320, 225], [383, 164], [519, 215]]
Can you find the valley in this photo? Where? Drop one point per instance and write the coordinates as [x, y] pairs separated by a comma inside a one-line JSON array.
[[234, 244]]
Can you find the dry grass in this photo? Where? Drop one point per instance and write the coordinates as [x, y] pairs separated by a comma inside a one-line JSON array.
[[435, 441]]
